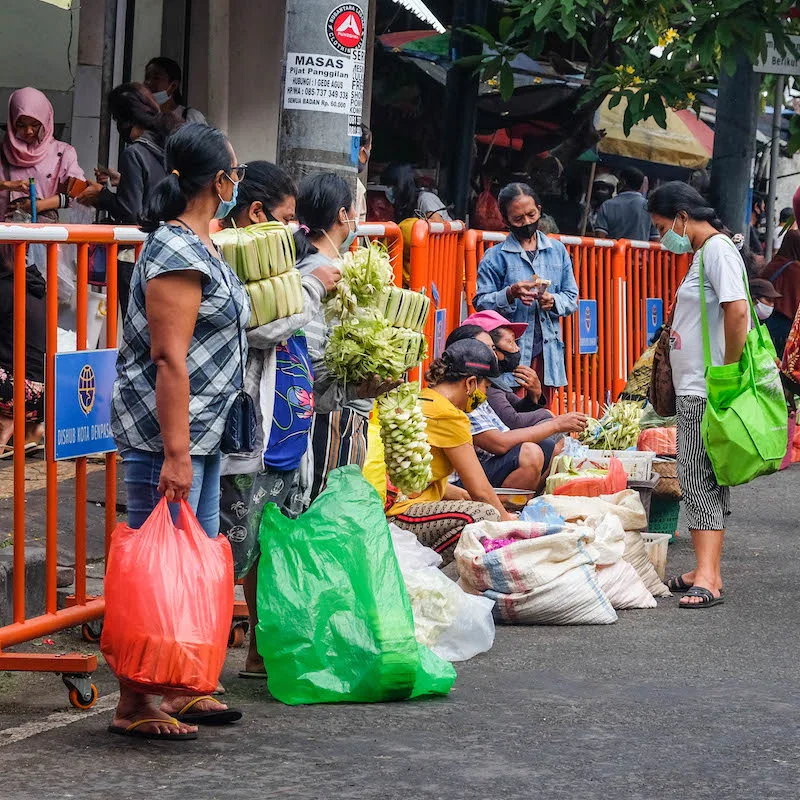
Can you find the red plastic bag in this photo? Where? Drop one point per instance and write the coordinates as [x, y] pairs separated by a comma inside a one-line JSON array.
[[615, 481], [169, 604], [661, 441], [487, 216]]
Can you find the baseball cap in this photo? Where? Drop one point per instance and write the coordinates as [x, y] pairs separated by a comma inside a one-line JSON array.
[[471, 357], [761, 287], [491, 320]]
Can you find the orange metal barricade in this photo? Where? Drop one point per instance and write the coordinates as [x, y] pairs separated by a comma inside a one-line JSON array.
[[437, 268], [75, 669], [389, 234]]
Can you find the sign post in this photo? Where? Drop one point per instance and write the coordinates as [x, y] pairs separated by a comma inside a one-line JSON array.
[[653, 316], [587, 327]]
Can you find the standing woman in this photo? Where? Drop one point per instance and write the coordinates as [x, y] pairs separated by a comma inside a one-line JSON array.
[[178, 371], [280, 379], [162, 76], [30, 150], [687, 225], [508, 278], [328, 223]]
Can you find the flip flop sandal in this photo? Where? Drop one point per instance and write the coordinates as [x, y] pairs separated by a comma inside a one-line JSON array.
[[134, 732], [221, 717], [707, 599], [677, 585], [252, 676]]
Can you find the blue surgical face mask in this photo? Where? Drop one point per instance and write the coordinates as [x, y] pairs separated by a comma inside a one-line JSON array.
[[350, 236], [390, 194], [226, 206], [161, 97], [675, 242]]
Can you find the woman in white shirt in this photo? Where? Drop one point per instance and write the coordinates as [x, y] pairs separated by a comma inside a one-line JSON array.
[[687, 225]]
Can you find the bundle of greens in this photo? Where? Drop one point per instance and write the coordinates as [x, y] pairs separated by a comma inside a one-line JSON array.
[[263, 257], [405, 445], [379, 327], [617, 429]]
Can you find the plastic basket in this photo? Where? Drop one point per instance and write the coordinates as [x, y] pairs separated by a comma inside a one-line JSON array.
[[664, 515], [656, 545], [638, 464], [645, 490]]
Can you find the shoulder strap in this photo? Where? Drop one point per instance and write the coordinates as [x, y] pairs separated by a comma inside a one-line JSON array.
[[780, 271]]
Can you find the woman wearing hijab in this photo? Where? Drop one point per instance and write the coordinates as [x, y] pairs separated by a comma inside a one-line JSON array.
[[784, 274], [30, 150]]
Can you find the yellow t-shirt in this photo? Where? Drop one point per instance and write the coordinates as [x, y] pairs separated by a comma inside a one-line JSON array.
[[447, 427]]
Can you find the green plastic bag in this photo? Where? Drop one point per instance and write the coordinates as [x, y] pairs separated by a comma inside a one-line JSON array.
[[335, 622], [745, 423]]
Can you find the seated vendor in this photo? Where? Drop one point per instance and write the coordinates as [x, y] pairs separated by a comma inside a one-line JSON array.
[[456, 384]]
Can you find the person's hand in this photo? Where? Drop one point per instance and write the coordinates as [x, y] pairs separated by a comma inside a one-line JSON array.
[[375, 386], [21, 204], [506, 516], [573, 422], [522, 290], [104, 174], [529, 380], [176, 478], [329, 275], [88, 197], [546, 301], [16, 186]]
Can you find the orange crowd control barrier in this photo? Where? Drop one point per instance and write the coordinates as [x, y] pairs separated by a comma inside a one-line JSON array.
[[389, 234], [621, 276], [82, 608]]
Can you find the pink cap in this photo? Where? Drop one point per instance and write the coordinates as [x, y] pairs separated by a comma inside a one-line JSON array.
[[490, 320]]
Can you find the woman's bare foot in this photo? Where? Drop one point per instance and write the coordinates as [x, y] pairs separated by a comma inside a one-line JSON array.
[[6, 430], [129, 710], [711, 582], [34, 432]]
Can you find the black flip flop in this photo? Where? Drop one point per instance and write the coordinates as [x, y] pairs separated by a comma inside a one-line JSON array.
[[222, 717], [678, 585], [134, 732], [707, 599]]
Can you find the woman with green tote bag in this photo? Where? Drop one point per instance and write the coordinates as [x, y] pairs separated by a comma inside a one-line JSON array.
[[688, 225]]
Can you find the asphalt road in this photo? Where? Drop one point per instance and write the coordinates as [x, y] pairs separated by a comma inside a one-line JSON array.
[[665, 703]]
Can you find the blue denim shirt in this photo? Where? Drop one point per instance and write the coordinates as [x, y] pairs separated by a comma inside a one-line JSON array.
[[505, 264]]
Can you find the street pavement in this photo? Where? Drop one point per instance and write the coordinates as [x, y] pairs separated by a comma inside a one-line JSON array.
[[665, 703]]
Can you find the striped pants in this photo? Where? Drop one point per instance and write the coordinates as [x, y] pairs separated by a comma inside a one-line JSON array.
[[337, 439], [707, 504], [439, 525]]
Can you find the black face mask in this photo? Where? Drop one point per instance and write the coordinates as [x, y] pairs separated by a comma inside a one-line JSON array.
[[510, 360], [524, 232]]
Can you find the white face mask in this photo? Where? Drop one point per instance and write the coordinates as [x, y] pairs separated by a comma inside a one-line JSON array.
[[763, 311], [161, 97]]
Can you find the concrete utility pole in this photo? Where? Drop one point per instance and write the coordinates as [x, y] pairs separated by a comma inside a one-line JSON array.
[[738, 108], [323, 84]]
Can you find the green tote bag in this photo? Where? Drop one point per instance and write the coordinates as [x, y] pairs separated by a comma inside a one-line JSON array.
[[745, 422]]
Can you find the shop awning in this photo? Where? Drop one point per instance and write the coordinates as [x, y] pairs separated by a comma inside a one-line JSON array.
[[421, 11], [686, 142]]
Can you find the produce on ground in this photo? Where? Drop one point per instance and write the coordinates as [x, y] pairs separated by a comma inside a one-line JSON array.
[[617, 429], [406, 449], [263, 257], [565, 469]]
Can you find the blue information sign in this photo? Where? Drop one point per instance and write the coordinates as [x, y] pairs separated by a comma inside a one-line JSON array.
[[653, 316], [587, 327], [439, 332], [84, 383]]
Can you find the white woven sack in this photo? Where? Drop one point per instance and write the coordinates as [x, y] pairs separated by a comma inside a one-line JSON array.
[[549, 580], [625, 505], [636, 555], [623, 587]]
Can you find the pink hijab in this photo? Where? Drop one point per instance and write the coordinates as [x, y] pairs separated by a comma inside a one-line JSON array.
[[30, 102]]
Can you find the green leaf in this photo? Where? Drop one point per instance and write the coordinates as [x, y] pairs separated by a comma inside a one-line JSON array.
[[543, 11], [655, 105], [492, 68], [505, 27], [627, 121], [481, 33], [506, 81], [615, 100], [470, 61], [570, 23]]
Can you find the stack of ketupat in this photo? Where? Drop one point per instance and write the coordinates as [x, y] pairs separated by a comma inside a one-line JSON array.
[[263, 256], [379, 332]]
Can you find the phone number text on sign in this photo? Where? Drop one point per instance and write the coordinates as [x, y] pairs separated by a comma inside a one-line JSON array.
[[318, 83]]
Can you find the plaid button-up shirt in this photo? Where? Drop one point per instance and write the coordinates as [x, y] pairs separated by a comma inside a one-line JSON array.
[[216, 351]]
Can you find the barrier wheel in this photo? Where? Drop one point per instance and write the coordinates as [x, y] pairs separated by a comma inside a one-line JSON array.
[[237, 634], [92, 631], [78, 700]]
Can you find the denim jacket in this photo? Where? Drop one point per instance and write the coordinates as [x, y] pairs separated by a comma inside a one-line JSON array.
[[505, 264]]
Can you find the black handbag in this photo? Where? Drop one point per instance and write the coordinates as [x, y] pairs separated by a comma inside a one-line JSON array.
[[241, 426]]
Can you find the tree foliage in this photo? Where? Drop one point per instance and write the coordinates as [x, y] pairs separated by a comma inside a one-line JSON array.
[[648, 54]]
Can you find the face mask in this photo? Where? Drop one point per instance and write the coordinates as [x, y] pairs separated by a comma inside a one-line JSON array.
[[510, 360], [390, 195], [161, 97], [226, 206], [675, 242], [524, 232], [475, 398], [350, 236], [763, 311]]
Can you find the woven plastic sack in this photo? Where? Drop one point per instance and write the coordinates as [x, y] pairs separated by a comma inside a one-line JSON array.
[[169, 603], [335, 621], [548, 580], [661, 441]]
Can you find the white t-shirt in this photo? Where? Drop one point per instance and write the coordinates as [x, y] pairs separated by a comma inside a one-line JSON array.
[[724, 283]]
